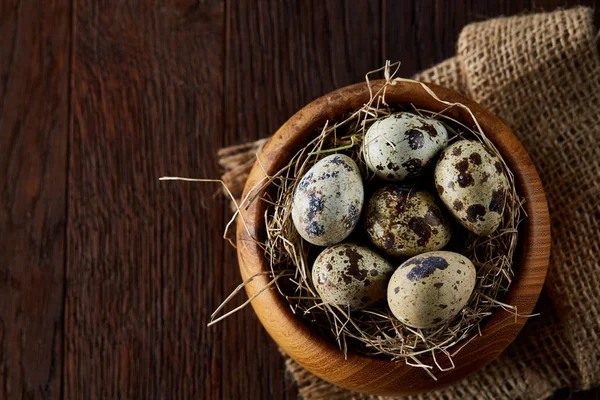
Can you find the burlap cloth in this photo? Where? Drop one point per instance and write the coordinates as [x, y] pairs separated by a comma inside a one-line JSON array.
[[541, 74]]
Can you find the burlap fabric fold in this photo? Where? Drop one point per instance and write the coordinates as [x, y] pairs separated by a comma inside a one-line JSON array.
[[541, 75]]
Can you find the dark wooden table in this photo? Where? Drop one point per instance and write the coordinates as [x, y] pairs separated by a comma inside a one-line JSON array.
[[108, 276]]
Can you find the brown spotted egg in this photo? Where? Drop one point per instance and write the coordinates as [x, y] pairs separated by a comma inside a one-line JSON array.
[[472, 184], [402, 145], [430, 289], [351, 275], [328, 200], [404, 221]]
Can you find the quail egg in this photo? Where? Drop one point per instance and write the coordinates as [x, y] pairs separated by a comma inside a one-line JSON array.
[[404, 221], [471, 182], [328, 200], [402, 145], [430, 289], [351, 275]]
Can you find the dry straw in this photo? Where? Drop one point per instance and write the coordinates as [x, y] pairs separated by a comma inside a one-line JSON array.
[[375, 332]]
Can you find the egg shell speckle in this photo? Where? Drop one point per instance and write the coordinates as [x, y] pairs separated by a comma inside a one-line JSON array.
[[472, 184], [328, 201], [351, 275], [430, 289], [404, 221], [401, 145]]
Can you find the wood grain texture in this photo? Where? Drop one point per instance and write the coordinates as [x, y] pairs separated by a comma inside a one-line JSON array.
[[156, 87], [384, 377], [280, 55], [145, 259], [34, 92]]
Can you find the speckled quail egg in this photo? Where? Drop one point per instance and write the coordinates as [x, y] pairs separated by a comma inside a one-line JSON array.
[[404, 221], [328, 200], [471, 182], [402, 145], [430, 289], [351, 275]]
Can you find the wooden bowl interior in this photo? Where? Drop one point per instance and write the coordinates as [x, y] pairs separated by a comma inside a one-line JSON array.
[[377, 376]]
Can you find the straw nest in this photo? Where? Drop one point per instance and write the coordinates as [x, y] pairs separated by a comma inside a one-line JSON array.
[[375, 332]]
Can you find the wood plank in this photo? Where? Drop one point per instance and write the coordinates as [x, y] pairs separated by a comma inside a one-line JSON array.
[[34, 88], [280, 56], [145, 262]]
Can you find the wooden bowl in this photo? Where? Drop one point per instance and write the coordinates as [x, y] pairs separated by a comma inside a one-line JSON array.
[[358, 372]]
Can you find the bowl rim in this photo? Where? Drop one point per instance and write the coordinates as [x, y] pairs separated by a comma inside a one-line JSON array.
[[377, 376]]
